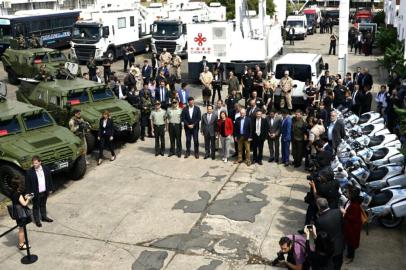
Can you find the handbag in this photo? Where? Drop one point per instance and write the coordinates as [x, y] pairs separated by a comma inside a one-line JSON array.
[[364, 216], [19, 212]]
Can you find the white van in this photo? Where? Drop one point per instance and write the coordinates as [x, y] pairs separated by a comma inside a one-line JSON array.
[[299, 23], [302, 67]]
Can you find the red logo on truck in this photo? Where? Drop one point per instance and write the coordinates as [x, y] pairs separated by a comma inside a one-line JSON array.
[[200, 39]]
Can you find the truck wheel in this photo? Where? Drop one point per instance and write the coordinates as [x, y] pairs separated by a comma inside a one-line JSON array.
[[7, 174], [111, 55], [91, 142], [79, 169], [389, 221], [135, 133], [12, 77]]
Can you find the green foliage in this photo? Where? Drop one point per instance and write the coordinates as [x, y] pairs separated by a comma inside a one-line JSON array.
[[379, 18], [393, 58], [385, 37], [252, 5]]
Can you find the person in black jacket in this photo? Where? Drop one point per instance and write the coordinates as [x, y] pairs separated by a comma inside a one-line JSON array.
[[106, 136], [331, 222], [39, 182], [191, 117], [367, 100], [259, 132]]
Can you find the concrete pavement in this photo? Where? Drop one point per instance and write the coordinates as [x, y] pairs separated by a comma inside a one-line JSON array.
[[144, 212]]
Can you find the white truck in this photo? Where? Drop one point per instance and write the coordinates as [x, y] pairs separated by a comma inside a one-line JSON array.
[[246, 41], [299, 24], [105, 32], [170, 32]]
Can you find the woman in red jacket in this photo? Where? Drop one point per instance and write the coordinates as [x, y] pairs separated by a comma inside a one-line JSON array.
[[225, 132], [352, 224]]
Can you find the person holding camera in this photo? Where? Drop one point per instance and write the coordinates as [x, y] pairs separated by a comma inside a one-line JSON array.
[[20, 200], [79, 127], [293, 254], [320, 254]]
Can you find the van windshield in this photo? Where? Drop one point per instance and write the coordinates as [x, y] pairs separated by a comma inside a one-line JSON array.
[[295, 23], [296, 72]]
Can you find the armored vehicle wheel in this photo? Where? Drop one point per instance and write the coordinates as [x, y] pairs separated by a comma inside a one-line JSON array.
[[12, 77], [91, 142], [389, 221], [79, 168], [7, 174], [110, 55], [135, 134]]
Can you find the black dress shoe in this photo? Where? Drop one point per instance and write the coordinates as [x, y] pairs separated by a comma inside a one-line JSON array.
[[205, 157], [259, 162], [213, 158], [170, 155], [162, 154], [179, 155], [187, 155], [157, 154], [38, 224], [270, 160], [277, 160], [197, 156], [47, 219], [286, 164]]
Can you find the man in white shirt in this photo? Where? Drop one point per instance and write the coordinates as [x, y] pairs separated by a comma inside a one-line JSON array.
[[39, 182], [259, 133]]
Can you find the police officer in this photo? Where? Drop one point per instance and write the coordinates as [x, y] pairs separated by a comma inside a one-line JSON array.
[[159, 122], [175, 128], [145, 106], [79, 127], [176, 64]]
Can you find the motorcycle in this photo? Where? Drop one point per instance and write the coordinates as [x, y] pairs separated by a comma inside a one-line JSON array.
[[389, 140], [370, 118], [377, 155], [374, 129]]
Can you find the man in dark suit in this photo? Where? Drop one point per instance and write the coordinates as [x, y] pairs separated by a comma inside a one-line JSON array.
[[339, 94], [203, 64], [252, 109], [39, 182], [183, 94], [357, 98], [286, 130], [331, 222], [146, 71], [243, 137], [357, 76], [154, 63], [324, 81], [366, 80], [97, 77], [191, 116], [259, 129], [348, 82], [162, 95], [274, 133], [120, 90], [335, 130], [208, 129]]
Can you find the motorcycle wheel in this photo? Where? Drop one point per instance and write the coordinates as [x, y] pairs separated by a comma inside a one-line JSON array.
[[389, 221]]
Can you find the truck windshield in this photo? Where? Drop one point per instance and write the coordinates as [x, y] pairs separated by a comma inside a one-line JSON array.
[[5, 31], [38, 120], [86, 32], [295, 23], [75, 98], [9, 126], [296, 72], [102, 93], [166, 29]]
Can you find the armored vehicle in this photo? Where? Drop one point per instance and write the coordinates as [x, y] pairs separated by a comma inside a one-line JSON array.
[[27, 130], [26, 63], [60, 97]]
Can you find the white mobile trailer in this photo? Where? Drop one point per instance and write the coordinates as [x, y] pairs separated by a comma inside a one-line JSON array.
[[222, 40], [105, 34]]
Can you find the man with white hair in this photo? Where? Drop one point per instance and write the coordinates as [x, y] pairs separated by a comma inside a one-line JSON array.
[[286, 84]]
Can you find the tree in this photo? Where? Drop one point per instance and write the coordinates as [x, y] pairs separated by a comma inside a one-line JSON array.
[[252, 5]]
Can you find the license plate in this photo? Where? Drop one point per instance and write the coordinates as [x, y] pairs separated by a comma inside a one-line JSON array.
[[63, 165], [123, 128]]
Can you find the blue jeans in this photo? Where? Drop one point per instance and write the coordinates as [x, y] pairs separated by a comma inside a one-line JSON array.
[[285, 151]]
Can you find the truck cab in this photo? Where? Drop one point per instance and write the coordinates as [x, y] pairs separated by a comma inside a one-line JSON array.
[[362, 16], [169, 34], [299, 23]]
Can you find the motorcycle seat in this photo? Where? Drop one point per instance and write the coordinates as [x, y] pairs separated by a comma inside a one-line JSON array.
[[376, 140], [379, 154], [367, 129], [381, 198], [377, 174], [363, 118]]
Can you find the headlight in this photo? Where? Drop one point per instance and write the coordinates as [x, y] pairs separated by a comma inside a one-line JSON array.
[[99, 52]]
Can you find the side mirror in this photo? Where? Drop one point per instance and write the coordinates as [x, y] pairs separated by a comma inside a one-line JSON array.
[[184, 30], [3, 89], [106, 32], [295, 85], [325, 66], [313, 74]]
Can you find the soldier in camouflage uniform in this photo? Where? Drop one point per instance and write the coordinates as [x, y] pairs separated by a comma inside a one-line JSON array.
[[79, 127], [145, 107]]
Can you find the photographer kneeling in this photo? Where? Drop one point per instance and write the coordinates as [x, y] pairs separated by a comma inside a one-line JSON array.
[[293, 253]]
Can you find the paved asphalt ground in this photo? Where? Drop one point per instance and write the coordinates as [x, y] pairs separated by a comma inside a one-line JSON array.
[[144, 212]]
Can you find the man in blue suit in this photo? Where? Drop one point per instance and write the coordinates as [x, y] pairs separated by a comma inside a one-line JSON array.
[[162, 95], [191, 116], [146, 72], [243, 136], [286, 136], [183, 95]]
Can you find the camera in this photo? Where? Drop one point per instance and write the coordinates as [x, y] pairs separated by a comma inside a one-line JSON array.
[[279, 257]]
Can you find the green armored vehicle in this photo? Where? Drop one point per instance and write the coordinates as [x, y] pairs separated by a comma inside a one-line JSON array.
[[60, 97], [26, 63], [27, 130]]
